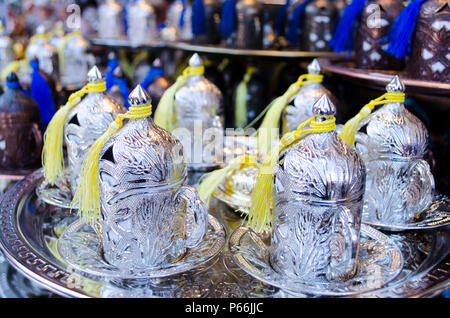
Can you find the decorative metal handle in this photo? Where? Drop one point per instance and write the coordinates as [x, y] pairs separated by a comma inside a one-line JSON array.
[[344, 246], [361, 140], [420, 184], [186, 198]]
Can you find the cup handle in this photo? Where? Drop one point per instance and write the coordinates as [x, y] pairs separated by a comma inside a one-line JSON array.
[[344, 246], [420, 184], [361, 140], [196, 214]]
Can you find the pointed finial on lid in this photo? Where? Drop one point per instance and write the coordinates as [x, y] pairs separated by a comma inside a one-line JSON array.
[[314, 67], [118, 72], [195, 60], [40, 29], [157, 63], [139, 96], [324, 107], [12, 77], [112, 55], [94, 75], [395, 85]]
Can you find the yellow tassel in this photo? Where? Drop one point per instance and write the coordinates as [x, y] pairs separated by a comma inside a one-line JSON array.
[[52, 152], [164, 111], [87, 194], [260, 214], [212, 180], [240, 106], [351, 127], [266, 136]]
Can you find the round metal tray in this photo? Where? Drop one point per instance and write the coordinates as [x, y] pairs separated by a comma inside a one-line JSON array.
[[29, 230]]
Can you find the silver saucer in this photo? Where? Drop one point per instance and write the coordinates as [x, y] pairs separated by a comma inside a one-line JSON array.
[[436, 216], [58, 195], [380, 261], [80, 247]]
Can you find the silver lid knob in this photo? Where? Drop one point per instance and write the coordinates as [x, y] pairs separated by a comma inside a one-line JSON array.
[[94, 75], [139, 96], [314, 67], [395, 85], [157, 63], [324, 107], [195, 60]]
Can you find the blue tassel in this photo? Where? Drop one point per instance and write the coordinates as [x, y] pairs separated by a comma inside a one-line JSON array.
[[294, 26], [400, 34], [152, 74], [344, 34], [122, 82], [42, 94], [183, 2], [109, 77], [280, 25], [198, 18], [16, 85], [228, 20]]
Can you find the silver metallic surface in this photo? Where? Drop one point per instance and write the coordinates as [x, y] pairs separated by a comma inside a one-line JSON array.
[[29, 231], [301, 109], [319, 186], [149, 218], [85, 124], [77, 62], [380, 261], [45, 53], [80, 247], [141, 22], [6, 49], [198, 114], [110, 20], [175, 31], [399, 181]]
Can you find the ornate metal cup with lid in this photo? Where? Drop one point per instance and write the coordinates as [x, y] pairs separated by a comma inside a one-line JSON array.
[[429, 58], [39, 48], [110, 20], [308, 95], [6, 48], [319, 22], [376, 18], [179, 22], [197, 111], [85, 123], [399, 182], [20, 133], [249, 24], [75, 60], [317, 201], [142, 25], [148, 217]]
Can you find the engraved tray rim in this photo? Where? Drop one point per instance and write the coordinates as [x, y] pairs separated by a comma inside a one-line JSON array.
[[432, 278]]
